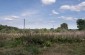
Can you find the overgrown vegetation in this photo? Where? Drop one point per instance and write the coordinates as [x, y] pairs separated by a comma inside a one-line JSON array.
[[60, 41], [38, 43]]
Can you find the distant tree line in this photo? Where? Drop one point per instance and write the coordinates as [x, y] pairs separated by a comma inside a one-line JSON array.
[[63, 27], [81, 24], [5, 28]]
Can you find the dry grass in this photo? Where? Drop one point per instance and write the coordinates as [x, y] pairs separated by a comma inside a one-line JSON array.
[[63, 43]]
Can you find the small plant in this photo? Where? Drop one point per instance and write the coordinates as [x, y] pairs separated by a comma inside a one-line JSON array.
[[33, 49], [47, 43], [1, 44]]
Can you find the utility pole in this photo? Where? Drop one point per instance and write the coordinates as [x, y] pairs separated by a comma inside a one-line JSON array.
[[24, 24], [53, 26]]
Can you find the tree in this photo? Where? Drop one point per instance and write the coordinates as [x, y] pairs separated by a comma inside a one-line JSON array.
[[59, 29], [81, 24], [5, 28], [64, 26]]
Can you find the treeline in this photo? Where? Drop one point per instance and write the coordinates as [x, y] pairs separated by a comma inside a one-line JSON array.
[[81, 24], [63, 27], [5, 28]]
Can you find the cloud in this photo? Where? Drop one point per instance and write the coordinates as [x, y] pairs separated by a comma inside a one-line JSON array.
[[52, 21], [68, 18], [19, 16], [54, 12], [13, 17], [28, 13], [48, 2], [78, 7]]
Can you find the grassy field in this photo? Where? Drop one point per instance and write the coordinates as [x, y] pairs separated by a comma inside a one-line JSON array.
[[63, 43]]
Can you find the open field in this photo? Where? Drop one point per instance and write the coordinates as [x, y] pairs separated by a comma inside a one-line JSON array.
[[62, 43], [42, 27]]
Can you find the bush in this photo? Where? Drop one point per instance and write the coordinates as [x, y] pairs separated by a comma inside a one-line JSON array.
[[2, 44]]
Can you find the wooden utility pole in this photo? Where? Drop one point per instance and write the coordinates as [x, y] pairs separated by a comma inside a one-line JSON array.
[[24, 24]]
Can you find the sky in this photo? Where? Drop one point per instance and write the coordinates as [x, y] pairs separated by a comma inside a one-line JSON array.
[[41, 13]]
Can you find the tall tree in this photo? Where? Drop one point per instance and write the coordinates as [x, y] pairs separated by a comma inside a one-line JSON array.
[[81, 24], [64, 26]]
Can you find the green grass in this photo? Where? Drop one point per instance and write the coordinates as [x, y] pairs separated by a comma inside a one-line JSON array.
[[43, 44]]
